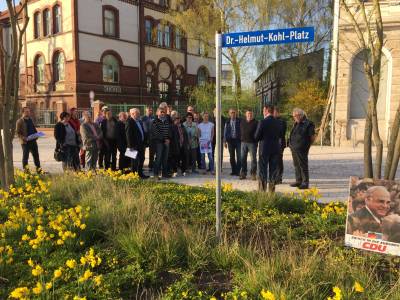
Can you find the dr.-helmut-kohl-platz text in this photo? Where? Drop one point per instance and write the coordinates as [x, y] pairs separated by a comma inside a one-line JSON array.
[[268, 37]]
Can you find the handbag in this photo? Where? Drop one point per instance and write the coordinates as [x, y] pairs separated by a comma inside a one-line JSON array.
[[59, 154]]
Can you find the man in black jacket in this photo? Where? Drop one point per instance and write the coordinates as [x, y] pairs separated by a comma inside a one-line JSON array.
[[268, 133], [179, 147], [135, 137], [123, 161], [282, 141], [301, 138], [248, 129], [161, 137], [232, 141], [109, 129]]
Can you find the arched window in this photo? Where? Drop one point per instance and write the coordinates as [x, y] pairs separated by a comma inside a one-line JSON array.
[[178, 39], [46, 22], [57, 19], [149, 83], [110, 21], [149, 31], [110, 69], [202, 76], [39, 70], [59, 67], [163, 88], [36, 25], [159, 35], [167, 36], [178, 85]]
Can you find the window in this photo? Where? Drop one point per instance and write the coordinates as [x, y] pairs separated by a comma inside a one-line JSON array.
[[110, 22], [59, 67], [163, 2], [159, 35], [167, 36], [110, 69], [39, 70], [149, 84], [57, 19], [149, 31], [202, 48], [202, 76], [163, 89], [37, 25], [46, 22], [178, 39]]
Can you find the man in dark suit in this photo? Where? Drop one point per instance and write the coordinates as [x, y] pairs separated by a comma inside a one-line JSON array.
[[135, 137], [369, 218], [268, 134], [232, 141]]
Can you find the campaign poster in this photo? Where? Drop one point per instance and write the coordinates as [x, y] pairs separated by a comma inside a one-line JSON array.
[[373, 215]]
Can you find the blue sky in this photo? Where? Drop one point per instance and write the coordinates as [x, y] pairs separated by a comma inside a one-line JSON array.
[[3, 5]]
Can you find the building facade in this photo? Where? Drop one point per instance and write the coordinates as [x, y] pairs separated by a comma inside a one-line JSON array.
[[270, 82], [125, 51], [352, 91]]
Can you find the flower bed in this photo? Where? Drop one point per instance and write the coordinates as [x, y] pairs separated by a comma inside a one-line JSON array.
[[112, 236]]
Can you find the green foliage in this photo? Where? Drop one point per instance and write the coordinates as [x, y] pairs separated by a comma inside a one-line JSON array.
[[157, 240]]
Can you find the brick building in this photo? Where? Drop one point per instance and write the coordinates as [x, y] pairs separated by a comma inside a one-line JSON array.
[[123, 50]]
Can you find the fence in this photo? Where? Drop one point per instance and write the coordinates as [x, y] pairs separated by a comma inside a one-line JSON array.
[[45, 118]]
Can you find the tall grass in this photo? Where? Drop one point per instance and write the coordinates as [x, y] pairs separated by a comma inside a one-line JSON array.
[[169, 250]]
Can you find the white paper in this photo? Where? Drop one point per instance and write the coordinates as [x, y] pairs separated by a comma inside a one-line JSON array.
[[35, 136], [131, 153]]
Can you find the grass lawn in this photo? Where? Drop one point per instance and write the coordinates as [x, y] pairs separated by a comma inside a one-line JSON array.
[[112, 236]]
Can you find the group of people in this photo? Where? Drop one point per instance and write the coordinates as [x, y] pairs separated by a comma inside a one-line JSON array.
[[178, 144]]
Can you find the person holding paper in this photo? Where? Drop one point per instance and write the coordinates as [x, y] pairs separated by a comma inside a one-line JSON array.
[[135, 137], [24, 128]]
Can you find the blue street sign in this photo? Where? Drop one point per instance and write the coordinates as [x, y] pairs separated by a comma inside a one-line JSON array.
[[268, 37]]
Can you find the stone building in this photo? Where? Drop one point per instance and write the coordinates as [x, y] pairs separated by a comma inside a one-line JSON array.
[[352, 92], [123, 50], [270, 82]]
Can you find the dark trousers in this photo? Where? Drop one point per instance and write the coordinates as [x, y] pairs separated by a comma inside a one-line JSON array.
[[222, 151], [110, 160], [71, 158], [152, 153], [102, 154], [161, 160], [30, 147], [123, 161], [235, 156], [300, 161], [252, 149], [198, 158], [268, 166], [191, 158], [137, 164], [179, 160], [279, 174]]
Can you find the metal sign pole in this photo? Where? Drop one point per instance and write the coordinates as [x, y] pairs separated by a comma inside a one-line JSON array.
[[218, 156]]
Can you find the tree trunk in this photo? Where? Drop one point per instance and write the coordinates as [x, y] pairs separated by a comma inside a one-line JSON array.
[[394, 132], [368, 173], [395, 161]]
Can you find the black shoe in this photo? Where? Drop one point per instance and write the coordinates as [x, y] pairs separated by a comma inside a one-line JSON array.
[[303, 186], [295, 184], [142, 176], [242, 177]]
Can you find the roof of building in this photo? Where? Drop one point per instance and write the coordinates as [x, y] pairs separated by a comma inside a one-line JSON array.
[[293, 58]]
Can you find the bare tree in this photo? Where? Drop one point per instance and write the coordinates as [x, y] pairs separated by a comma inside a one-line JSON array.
[[18, 22]]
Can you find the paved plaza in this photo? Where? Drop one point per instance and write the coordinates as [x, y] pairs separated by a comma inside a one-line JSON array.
[[330, 169]]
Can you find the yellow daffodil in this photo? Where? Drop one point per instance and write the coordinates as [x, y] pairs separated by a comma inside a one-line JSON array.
[[267, 295], [37, 289], [58, 273], [71, 263], [20, 293], [97, 280], [358, 287], [37, 271], [49, 285]]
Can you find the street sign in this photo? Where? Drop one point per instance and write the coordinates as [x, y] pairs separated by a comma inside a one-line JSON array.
[[243, 39], [268, 37]]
